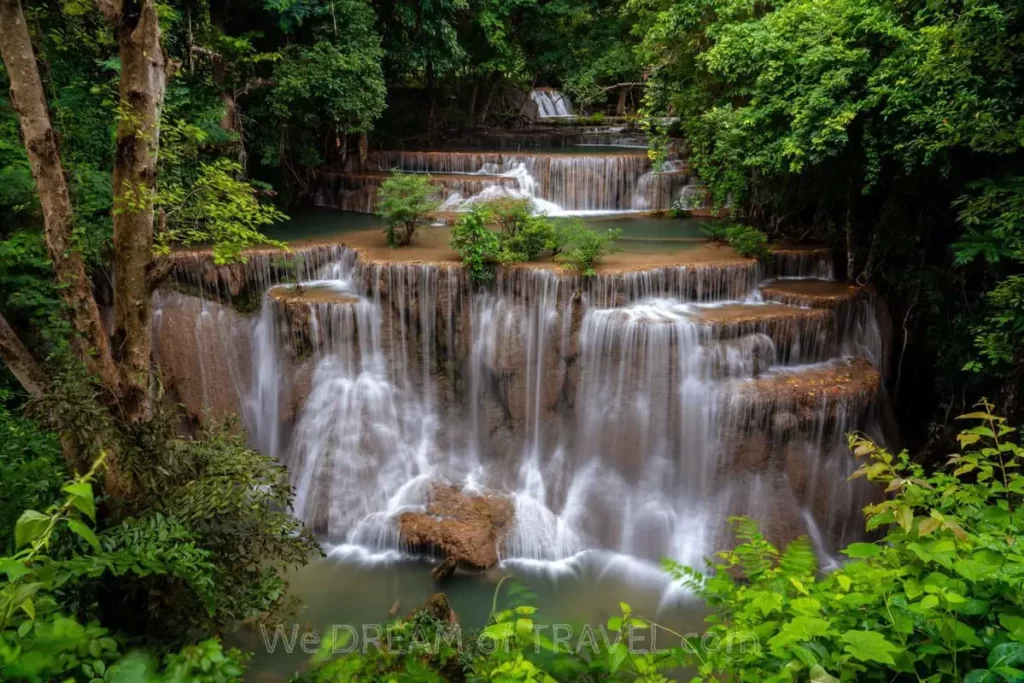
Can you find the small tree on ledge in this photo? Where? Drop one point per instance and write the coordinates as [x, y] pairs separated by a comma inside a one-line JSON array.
[[405, 201]]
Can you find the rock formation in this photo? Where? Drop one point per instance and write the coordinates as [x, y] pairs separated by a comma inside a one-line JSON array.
[[464, 527]]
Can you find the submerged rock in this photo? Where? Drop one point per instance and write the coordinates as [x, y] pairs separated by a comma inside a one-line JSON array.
[[444, 570], [465, 528]]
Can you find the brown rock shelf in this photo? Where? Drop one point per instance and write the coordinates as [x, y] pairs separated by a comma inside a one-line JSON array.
[[311, 294], [812, 293], [738, 315], [854, 380]]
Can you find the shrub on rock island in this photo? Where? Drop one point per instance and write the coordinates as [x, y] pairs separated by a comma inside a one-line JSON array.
[[406, 200], [476, 244]]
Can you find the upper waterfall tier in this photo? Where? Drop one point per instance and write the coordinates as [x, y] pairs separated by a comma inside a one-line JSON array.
[[557, 183], [550, 103]]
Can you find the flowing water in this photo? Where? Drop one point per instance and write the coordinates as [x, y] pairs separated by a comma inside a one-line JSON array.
[[587, 180], [551, 103], [624, 416]]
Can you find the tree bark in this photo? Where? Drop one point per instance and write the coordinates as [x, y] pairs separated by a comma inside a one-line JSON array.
[[28, 99], [143, 80], [21, 363]]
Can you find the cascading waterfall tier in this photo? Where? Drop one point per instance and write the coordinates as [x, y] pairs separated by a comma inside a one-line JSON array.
[[551, 103], [628, 412], [555, 183]]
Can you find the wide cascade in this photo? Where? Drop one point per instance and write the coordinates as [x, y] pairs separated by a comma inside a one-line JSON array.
[[622, 416], [581, 180]]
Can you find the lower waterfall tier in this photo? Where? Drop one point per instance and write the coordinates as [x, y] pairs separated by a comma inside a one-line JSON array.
[[630, 412]]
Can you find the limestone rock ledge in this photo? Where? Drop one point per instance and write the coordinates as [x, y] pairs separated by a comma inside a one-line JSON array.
[[467, 528]]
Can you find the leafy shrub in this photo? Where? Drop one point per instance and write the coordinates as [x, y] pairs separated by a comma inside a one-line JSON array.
[[476, 244], [999, 334], [510, 213], [31, 299], [40, 640], [531, 240], [747, 241], [216, 207], [31, 470], [715, 231], [234, 502], [228, 501], [938, 599], [579, 248], [405, 200]]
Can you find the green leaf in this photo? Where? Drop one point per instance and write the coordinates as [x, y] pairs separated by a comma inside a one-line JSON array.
[[981, 676], [30, 527], [616, 655], [819, 675], [972, 570], [82, 498], [84, 532], [1006, 654], [14, 569], [965, 634], [869, 646], [860, 550], [1013, 624]]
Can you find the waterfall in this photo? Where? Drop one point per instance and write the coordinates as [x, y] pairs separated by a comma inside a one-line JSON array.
[[626, 414], [556, 184], [551, 103]]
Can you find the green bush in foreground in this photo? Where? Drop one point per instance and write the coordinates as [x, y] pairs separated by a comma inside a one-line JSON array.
[[938, 599], [41, 641], [31, 470]]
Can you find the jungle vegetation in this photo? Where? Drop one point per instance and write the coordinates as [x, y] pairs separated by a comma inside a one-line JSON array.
[[892, 132]]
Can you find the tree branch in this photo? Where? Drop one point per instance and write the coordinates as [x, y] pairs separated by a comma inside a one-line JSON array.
[[40, 141], [158, 272], [21, 363]]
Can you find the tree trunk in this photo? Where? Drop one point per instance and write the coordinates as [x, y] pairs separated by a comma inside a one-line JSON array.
[[143, 81], [28, 99], [485, 110], [21, 363], [620, 107]]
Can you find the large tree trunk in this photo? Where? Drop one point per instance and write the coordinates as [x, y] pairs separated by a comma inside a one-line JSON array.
[[143, 81], [48, 172], [20, 361]]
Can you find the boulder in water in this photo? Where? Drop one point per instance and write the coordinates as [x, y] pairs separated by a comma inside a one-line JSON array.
[[465, 528], [445, 570]]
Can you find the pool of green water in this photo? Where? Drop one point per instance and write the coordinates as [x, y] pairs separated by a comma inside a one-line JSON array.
[[640, 233], [348, 595]]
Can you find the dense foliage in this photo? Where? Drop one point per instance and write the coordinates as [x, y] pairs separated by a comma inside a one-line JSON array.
[[890, 130], [525, 236], [40, 637], [745, 239]]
